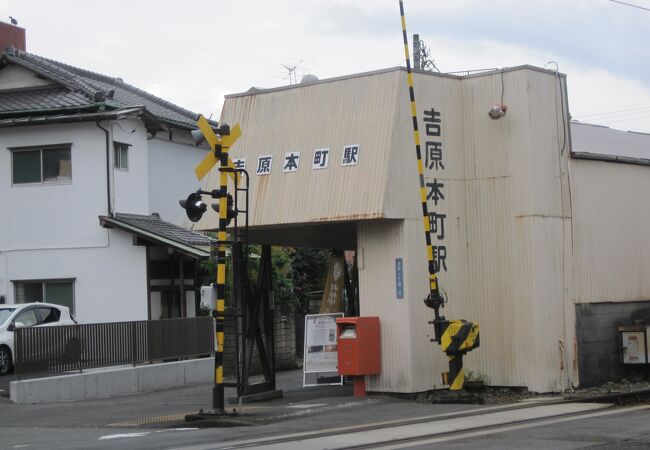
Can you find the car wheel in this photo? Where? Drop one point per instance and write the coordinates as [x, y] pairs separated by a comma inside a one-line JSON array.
[[6, 364]]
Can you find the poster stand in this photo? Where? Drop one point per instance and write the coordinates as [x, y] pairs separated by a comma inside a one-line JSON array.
[[320, 351]]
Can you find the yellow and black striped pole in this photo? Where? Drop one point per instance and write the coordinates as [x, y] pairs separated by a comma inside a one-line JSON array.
[[434, 300], [218, 391]]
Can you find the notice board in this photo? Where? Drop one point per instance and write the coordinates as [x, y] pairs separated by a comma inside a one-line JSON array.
[[321, 353]]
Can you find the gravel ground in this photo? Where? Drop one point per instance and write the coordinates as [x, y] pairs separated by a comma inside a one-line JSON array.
[[489, 395]]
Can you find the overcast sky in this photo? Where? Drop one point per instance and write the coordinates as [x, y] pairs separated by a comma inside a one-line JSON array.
[[194, 52]]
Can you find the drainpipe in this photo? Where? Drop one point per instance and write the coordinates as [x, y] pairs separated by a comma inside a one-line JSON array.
[[108, 171]]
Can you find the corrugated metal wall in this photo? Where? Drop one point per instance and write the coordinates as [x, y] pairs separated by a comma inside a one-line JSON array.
[[507, 228], [506, 202], [611, 231], [304, 118]]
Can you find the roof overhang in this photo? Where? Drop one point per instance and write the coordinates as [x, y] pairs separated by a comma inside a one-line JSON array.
[[197, 252], [152, 123]]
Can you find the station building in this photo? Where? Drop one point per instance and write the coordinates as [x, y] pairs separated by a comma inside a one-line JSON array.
[[546, 245]]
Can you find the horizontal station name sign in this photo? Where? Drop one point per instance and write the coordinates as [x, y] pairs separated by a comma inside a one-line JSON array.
[[320, 160]]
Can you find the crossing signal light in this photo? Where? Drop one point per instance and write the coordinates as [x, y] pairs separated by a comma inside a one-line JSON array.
[[194, 206], [230, 210]]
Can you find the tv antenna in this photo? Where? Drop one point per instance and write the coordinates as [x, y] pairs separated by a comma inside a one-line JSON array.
[[422, 56], [291, 72]]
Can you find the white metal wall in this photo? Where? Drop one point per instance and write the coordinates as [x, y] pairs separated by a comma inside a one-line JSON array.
[[611, 231], [507, 230]]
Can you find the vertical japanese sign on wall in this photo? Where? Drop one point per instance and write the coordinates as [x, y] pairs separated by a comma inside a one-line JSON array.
[[399, 278], [434, 164]]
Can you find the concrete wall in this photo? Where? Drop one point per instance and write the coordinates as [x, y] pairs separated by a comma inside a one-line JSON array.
[[112, 382], [598, 342]]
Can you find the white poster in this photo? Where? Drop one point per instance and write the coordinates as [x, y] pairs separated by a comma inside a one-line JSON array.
[[320, 343]]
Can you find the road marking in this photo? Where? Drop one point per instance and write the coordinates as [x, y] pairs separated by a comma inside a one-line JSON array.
[[459, 426], [22, 446], [506, 428], [177, 429], [312, 405], [124, 435]]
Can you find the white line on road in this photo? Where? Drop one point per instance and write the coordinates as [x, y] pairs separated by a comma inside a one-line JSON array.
[[125, 435], [312, 405]]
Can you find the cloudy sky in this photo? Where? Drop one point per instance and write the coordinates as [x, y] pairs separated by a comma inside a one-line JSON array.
[[195, 52]]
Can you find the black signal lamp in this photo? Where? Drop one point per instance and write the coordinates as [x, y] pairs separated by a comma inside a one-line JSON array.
[[230, 210], [194, 206]]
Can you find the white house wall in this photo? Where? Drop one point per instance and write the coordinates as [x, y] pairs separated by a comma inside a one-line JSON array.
[[109, 282], [130, 188], [171, 174], [52, 231], [57, 215], [16, 77]]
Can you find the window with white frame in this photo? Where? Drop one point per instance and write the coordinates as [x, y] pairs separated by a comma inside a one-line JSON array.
[[47, 164], [59, 292], [121, 155]]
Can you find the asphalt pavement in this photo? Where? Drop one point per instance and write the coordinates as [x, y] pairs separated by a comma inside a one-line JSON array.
[[155, 420], [161, 414]]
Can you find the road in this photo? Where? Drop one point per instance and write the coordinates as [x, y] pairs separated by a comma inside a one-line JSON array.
[[4, 384], [155, 420]]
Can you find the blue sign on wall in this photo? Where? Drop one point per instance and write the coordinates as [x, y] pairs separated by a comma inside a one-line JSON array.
[[399, 277]]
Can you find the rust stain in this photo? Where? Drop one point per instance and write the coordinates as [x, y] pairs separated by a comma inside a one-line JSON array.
[[548, 216], [348, 217]]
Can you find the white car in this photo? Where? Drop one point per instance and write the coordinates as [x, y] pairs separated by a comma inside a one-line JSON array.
[[27, 315]]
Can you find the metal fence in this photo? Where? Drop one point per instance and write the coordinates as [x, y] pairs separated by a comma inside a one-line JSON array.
[[77, 347]]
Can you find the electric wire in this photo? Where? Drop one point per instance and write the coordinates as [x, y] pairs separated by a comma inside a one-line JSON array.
[[617, 112], [630, 4]]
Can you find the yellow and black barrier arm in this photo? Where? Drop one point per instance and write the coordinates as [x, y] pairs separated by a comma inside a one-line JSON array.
[[455, 337]]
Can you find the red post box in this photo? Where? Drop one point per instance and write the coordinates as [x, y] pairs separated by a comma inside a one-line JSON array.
[[358, 345]]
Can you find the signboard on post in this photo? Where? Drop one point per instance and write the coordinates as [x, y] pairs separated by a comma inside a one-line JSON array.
[[321, 353]]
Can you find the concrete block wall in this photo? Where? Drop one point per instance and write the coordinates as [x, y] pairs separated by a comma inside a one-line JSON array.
[[598, 342]]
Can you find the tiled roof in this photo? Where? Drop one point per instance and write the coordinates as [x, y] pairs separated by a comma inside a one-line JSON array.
[[155, 225], [84, 89], [48, 98]]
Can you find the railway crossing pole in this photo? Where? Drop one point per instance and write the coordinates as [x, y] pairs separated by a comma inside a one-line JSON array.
[[195, 208]]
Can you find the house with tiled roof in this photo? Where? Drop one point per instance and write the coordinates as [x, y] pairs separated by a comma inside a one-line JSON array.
[[91, 171]]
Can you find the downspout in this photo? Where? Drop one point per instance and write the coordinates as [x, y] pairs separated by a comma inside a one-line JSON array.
[[108, 171]]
